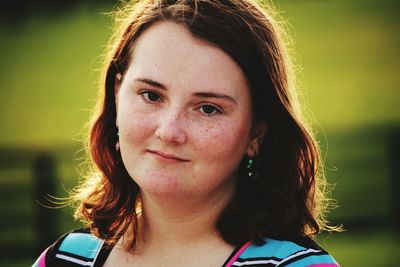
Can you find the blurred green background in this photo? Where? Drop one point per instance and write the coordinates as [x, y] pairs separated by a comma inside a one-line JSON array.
[[348, 59]]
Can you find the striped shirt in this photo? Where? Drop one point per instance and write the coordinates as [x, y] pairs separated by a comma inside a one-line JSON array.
[[80, 248]]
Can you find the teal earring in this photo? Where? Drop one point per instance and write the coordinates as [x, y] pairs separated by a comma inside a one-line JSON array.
[[252, 165]]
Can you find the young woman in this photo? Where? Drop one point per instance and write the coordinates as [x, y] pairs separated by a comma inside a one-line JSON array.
[[202, 156]]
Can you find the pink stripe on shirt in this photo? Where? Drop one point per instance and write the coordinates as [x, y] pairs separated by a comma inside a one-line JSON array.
[[238, 253], [42, 259], [324, 265]]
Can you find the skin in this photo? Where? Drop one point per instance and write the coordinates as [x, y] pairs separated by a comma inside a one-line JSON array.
[[185, 123]]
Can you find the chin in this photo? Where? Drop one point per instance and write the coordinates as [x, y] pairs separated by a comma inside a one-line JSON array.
[[161, 185]]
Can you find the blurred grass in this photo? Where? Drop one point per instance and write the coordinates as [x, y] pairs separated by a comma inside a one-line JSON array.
[[48, 75], [349, 55], [348, 52]]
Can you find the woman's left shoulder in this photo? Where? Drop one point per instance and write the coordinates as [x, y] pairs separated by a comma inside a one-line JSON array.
[[288, 252]]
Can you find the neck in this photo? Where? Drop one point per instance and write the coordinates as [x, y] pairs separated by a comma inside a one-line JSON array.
[[175, 221]]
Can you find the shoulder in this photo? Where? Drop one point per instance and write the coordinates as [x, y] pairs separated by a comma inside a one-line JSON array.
[[293, 252], [75, 248]]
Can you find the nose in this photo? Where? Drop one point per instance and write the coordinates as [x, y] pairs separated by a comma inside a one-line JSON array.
[[170, 128]]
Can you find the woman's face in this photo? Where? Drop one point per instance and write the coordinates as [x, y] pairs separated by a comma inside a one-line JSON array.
[[184, 115]]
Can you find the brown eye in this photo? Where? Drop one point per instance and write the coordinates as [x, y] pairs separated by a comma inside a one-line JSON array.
[[151, 96], [209, 110]]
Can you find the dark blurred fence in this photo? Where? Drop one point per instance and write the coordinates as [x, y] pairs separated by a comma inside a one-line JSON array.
[[28, 179], [366, 176], [362, 164], [16, 211], [44, 185], [394, 155], [28, 176]]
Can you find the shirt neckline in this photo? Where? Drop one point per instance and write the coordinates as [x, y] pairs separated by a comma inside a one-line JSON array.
[[105, 251]]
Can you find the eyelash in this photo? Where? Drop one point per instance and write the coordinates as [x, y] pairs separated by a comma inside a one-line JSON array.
[[147, 99]]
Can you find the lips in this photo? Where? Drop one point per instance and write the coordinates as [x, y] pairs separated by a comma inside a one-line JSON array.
[[163, 156]]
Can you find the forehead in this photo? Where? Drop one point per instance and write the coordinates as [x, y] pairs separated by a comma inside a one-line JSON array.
[[168, 52]]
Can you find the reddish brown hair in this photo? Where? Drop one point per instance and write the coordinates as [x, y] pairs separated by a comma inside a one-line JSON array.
[[285, 197]]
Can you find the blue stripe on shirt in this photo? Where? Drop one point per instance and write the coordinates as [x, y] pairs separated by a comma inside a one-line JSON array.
[[81, 244]]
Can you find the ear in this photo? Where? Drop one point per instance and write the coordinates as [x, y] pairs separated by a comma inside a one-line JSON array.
[[117, 84], [258, 134]]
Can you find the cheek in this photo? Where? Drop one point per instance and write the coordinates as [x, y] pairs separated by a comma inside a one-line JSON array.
[[218, 151], [224, 141], [134, 124], [133, 127]]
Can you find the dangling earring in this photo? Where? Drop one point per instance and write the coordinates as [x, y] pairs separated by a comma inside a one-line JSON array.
[[252, 165], [117, 144]]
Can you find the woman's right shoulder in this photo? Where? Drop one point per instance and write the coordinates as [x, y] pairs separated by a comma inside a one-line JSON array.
[[75, 248]]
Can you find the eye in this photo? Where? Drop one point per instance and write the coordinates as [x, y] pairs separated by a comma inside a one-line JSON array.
[[150, 96], [209, 110]]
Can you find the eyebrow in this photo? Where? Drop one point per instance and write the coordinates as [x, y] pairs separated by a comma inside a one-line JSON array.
[[151, 82], [215, 95], [198, 94]]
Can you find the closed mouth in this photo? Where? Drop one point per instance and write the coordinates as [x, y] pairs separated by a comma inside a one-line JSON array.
[[167, 155]]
